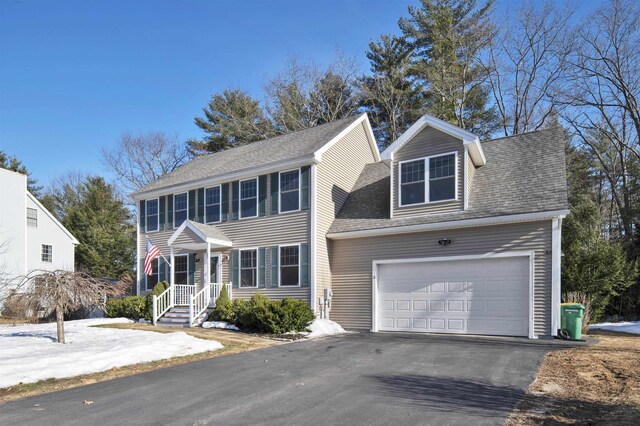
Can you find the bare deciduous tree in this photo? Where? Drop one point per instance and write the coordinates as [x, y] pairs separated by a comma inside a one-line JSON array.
[[62, 292], [138, 160]]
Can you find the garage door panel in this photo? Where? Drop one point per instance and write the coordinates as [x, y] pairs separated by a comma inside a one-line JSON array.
[[484, 296]]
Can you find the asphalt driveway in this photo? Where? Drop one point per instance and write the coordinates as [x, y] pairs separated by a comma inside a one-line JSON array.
[[372, 379]]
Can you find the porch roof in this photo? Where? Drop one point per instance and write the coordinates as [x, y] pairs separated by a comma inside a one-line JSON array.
[[198, 236]]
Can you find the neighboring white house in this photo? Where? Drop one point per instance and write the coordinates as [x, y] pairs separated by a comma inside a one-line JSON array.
[[31, 238]]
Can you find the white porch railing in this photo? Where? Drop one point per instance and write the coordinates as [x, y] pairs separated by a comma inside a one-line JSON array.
[[216, 288], [199, 303], [162, 304], [185, 295], [182, 294]]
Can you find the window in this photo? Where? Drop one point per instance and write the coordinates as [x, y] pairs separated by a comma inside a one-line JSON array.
[[290, 191], [47, 253], [181, 206], [181, 272], [153, 279], [32, 217], [442, 177], [152, 215], [248, 268], [412, 183], [289, 266], [249, 198], [212, 204], [428, 180]]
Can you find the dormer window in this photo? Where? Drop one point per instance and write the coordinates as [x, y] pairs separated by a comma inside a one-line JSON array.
[[428, 179]]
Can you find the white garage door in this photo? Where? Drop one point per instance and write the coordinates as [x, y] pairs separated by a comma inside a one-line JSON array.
[[484, 296]]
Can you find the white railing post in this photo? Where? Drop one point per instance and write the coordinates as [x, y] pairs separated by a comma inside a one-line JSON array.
[[155, 309], [191, 299]]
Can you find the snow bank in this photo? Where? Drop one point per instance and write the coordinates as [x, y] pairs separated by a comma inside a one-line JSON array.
[[219, 324], [324, 327], [624, 327], [29, 353]]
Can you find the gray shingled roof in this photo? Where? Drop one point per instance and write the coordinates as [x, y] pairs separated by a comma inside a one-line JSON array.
[[291, 146], [524, 174], [210, 231]]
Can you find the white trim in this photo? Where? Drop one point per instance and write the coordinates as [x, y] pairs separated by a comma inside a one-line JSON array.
[[313, 236], [188, 224], [468, 138], [427, 179], [174, 209], [52, 217], [391, 190], [146, 215], [465, 183], [257, 250], [204, 219], [138, 248], [454, 224], [218, 265], [299, 265], [226, 178], [556, 264], [299, 170], [368, 131], [516, 253], [240, 217]]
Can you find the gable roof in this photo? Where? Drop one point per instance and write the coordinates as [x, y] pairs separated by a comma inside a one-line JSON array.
[[73, 239], [305, 145], [208, 233], [524, 174], [471, 141]]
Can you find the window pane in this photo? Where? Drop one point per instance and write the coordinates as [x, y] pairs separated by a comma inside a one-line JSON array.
[[289, 181], [212, 205], [289, 201], [442, 189], [289, 275], [289, 256], [181, 265], [47, 253], [290, 191], [153, 280], [249, 198], [213, 196], [180, 208], [412, 193], [32, 217], [289, 265], [248, 208], [248, 189], [412, 172], [152, 215], [248, 268], [443, 166]]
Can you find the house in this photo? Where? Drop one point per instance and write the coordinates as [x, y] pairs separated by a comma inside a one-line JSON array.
[[440, 233], [31, 238]]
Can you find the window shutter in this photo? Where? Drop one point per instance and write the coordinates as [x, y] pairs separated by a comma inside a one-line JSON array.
[[169, 211], [234, 268], [162, 273], [191, 214], [192, 269], [262, 267], [200, 217], [304, 265], [143, 276], [143, 217], [161, 212], [235, 199], [275, 191], [262, 198], [274, 266], [224, 201], [304, 188]]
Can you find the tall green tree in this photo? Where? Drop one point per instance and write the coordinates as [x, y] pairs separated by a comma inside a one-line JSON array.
[[9, 162], [231, 118], [390, 95], [447, 37]]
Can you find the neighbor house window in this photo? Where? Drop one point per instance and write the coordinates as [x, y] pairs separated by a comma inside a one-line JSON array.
[[289, 265], [181, 272], [428, 179], [212, 204], [152, 280], [152, 215], [248, 268], [181, 206], [47, 253], [249, 198], [290, 191], [32, 217]]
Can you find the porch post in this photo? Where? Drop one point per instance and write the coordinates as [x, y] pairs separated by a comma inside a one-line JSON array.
[[208, 278], [172, 294], [171, 267]]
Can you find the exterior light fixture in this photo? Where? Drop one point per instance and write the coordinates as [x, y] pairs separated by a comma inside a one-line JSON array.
[[444, 242]]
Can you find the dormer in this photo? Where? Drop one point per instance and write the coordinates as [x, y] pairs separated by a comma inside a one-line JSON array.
[[432, 166]]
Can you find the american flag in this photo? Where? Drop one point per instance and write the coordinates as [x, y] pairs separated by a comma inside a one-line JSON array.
[[152, 253]]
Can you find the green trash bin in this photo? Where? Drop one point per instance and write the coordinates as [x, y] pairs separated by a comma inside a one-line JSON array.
[[571, 319]]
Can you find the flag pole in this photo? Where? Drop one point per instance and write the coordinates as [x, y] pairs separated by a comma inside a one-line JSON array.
[[165, 259]]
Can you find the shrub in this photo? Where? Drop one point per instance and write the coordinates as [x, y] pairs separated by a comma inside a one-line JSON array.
[[295, 315], [158, 289], [223, 309], [132, 307], [584, 300]]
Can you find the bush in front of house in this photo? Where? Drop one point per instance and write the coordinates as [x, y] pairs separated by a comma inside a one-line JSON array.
[[158, 289], [223, 309], [264, 315], [132, 307]]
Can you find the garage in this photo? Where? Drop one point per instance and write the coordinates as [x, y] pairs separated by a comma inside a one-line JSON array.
[[485, 295]]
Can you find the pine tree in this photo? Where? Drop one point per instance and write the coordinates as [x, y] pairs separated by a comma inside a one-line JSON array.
[[12, 163]]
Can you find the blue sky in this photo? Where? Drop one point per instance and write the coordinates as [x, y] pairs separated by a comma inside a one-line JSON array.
[[75, 75]]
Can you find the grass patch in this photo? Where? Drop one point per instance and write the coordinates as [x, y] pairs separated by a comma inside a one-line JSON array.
[[233, 343]]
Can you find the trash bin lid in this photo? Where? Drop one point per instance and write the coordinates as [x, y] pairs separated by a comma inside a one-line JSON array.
[[572, 305]]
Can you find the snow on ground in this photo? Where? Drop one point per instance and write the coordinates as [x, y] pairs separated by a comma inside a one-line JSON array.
[[624, 327], [324, 327], [29, 353], [219, 324]]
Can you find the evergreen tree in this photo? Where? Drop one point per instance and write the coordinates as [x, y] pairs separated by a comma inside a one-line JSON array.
[[389, 94], [447, 37], [231, 118], [12, 163]]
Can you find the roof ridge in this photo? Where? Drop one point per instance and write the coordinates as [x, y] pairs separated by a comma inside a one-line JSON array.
[[548, 129]]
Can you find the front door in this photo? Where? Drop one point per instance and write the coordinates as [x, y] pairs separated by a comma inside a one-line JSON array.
[[214, 277]]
